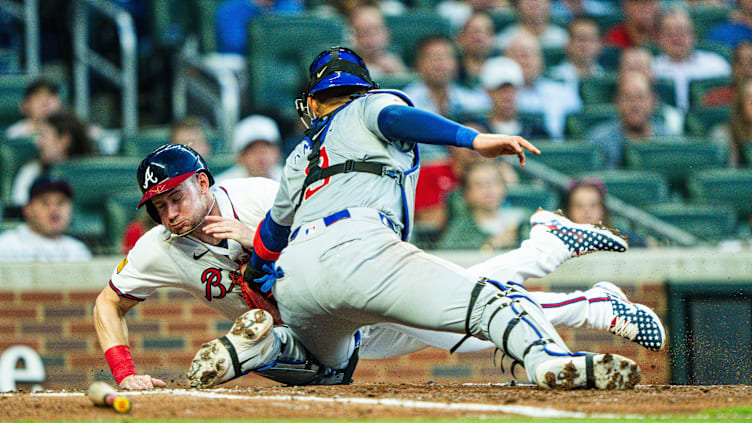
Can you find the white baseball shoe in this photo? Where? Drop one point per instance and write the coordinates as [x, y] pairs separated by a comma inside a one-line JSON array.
[[248, 346], [633, 321], [599, 371], [579, 238]]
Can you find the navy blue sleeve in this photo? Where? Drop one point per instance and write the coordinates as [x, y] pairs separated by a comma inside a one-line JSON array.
[[411, 124], [269, 241]]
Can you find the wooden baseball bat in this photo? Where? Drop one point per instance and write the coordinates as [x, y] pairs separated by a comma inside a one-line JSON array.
[[104, 395]]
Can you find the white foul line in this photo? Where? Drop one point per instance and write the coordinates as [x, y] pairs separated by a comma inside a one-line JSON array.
[[522, 410]]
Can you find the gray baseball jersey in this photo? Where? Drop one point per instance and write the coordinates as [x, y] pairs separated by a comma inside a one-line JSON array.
[[353, 134]]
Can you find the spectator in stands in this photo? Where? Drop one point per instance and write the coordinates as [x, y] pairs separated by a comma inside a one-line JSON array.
[[233, 17], [534, 17], [438, 91], [436, 180], [371, 39], [639, 27], [585, 202], [42, 238], [255, 143], [191, 131], [680, 60], [476, 45], [639, 59], [502, 78], [63, 136], [737, 28], [40, 99], [741, 69], [583, 50], [737, 132], [484, 222], [540, 94], [636, 102], [439, 178]]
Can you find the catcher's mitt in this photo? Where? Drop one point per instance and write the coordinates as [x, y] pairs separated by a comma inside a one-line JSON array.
[[251, 291]]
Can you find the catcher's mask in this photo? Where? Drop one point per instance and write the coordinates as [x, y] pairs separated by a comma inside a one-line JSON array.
[[332, 68], [164, 169]]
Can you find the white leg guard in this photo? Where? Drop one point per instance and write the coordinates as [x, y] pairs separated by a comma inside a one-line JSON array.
[[505, 314]]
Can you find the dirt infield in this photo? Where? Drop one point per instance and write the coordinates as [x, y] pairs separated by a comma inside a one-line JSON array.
[[381, 401]]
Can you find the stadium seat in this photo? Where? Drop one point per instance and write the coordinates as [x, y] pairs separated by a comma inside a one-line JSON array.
[[731, 187], [701, 121], [149, 138], [710, 223], [280, 49], [12, 87], [706, 17], [598, 89], [410, 27], [638, 188], [579, 124], [396, 82], [218, 163], [698, 89], [93, 180], [570, 157], [675, 157], [552, 56], [531, 196], [723, 49], [120, 210], [609, 58], [666, 91], [14, 153], [502, 18]]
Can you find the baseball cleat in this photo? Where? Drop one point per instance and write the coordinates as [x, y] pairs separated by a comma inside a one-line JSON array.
[[579, 238], [635, 322], [245, 348], [598, 371]]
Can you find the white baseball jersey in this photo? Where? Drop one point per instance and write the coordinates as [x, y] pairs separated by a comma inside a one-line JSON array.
[[160, 259]]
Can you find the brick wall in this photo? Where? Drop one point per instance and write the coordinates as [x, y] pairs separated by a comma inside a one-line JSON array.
[[166, 330]]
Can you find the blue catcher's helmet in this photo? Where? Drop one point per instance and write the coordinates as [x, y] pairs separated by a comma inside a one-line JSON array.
[[338, 67], [164, 169]]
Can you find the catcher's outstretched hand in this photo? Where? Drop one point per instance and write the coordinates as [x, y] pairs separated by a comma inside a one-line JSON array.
[[141, 383], [493, 145]]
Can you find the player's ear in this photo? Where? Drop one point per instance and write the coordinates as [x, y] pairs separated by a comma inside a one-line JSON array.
[[313, 105], [202, 179]]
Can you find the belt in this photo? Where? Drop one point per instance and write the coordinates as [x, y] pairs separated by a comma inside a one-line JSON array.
[[333, 218]]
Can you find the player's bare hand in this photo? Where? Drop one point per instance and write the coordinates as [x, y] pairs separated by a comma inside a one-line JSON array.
[[226, 228], [493, 145], [141, 383]]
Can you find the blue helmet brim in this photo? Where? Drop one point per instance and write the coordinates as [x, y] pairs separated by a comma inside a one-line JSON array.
[[340, 79]]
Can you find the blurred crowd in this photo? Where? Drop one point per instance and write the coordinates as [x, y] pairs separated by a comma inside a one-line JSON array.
[[635, 71]]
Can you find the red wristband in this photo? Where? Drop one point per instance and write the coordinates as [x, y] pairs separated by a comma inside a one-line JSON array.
[[120, 361]]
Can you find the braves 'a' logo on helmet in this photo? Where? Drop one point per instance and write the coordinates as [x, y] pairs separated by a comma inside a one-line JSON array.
[[149, 178]]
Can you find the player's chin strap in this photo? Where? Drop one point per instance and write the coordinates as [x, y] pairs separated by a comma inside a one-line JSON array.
[[188, 232]]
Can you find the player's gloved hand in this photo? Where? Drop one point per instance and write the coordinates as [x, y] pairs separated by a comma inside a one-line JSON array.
[[267, 281], [141, 383]]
